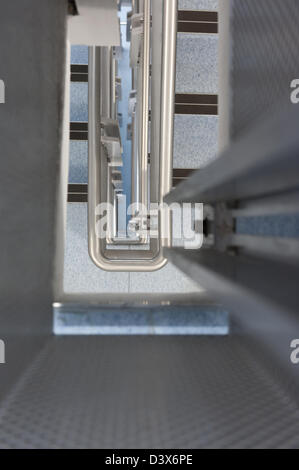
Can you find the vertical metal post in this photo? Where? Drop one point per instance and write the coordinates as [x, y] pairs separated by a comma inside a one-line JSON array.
[[167, 113], [145, 102]]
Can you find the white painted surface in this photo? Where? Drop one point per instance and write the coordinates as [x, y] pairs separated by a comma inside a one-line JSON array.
[[96, 25]]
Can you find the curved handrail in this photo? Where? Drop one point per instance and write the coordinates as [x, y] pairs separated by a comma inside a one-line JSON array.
[[133, 259]]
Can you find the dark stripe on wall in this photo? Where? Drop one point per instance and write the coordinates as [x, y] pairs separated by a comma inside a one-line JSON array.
[[79, 73], [78, 135], [205, 105], [77, 188], [180, 174], [196, 104], [198, 16], [79, 68], [196, 109], [79, 77], [184, 104], [191, 98], [79, 131], [203, 28], [197, 22], [77, 126], [79, 192], [77, 197]]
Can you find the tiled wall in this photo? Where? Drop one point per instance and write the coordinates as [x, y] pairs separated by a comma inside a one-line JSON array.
[[196, 137]]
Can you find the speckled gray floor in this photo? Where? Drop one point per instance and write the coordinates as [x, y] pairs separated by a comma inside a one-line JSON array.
[[197, 63], [82, 276], [173, 320], [78, 170], [150, 392], [80, 273], [284, 226], [195, 140], [198, 4], [79, 102], [79, 55]]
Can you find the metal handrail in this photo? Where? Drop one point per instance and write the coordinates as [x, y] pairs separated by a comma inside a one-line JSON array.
[[129, 259]]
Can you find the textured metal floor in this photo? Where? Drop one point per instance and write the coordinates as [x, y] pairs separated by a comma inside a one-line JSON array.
[[148, 392]]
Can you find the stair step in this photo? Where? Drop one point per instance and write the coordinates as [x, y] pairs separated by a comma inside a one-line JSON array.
[[163, 320]]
